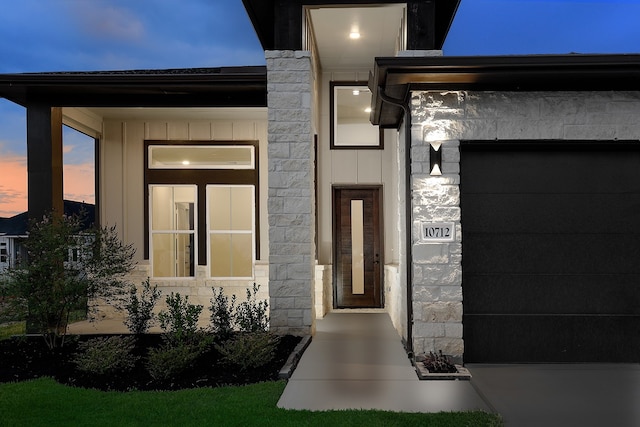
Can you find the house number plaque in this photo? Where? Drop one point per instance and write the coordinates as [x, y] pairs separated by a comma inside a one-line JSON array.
[[438, 231]]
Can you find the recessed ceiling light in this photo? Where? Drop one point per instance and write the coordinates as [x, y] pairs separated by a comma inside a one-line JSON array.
[[367, 110], [356, 92], [354, 35], [185, 162]]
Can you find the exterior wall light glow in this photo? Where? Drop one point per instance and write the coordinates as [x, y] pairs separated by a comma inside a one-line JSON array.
[[435, 159]]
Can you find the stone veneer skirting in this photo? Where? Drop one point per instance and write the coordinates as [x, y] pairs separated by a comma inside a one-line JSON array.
[[198, 289]]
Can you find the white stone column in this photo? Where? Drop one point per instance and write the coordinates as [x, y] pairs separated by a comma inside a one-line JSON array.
[[291, 194], [437, 267]]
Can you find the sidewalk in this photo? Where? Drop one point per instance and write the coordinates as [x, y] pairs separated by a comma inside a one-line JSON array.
[[356, 361]]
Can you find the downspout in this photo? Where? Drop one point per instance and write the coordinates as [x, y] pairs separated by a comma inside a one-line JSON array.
[[404, 105]]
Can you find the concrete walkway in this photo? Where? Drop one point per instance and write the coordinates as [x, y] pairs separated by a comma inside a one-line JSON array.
[[562, 395], [357, 361]]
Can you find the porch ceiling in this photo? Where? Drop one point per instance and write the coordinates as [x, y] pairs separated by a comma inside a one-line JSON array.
[[278, 23]]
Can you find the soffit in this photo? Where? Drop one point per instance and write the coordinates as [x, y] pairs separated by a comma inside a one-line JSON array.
[[244, 113], [379, 27]]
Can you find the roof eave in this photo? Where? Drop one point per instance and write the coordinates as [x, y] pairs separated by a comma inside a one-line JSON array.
[[397, 77], [162, 88]]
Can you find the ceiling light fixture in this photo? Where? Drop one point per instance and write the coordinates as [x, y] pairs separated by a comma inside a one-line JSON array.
[[354, 35], [356, 92], [367, 110]]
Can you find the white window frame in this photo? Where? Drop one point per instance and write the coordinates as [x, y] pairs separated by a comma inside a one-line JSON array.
[[194, 232], [252, 232]]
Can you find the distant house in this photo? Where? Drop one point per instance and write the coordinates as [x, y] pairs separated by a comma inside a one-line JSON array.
[[488, 204], [15, 229]]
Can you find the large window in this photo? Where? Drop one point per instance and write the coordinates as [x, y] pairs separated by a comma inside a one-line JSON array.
[[202, 208], [231, 227], [173, 230]]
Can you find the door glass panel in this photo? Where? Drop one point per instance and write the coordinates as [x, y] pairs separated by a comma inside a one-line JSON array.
[[357, 247]]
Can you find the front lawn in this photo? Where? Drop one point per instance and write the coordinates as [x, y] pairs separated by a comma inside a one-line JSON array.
[[7, 330], [44, 402]]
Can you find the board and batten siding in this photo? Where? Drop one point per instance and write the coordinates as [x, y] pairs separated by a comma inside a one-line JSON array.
[[122, 167]]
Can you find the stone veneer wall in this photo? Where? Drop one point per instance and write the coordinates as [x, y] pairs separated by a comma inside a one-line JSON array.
[[199, 289], [291, 194], [449, 117]]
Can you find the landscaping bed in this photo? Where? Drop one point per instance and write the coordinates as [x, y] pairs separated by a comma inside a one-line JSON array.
[[27, 357]]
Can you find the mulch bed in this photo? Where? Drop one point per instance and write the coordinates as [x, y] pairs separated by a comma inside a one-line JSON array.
[[23, 358]]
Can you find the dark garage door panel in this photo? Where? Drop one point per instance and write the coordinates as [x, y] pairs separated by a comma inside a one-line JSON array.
[[547, 338], [525, 216], [552, 294], [551, 245]]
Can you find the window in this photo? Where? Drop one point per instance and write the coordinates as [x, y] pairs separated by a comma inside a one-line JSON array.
[[231, 220], [201, 157], [173, 230], [350, 124], [202, 208]]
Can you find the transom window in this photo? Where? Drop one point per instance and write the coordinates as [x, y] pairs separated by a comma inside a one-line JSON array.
[[201, 157]]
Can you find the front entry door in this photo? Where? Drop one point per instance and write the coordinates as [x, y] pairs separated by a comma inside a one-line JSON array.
[[357, 232]]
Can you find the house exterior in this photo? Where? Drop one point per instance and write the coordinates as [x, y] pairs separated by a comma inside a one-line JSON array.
[[488, 204], [14, 230]]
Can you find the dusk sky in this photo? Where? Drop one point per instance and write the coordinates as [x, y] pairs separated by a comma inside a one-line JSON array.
[[79, 35]]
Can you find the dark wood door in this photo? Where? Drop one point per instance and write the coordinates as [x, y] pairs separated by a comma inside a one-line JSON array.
[[358, 263]]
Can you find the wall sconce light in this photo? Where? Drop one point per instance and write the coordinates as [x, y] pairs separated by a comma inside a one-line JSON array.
[[435, 158]]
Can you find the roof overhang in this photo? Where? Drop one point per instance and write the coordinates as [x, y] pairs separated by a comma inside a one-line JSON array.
[[276, 21], [202, 87], [394, 78]]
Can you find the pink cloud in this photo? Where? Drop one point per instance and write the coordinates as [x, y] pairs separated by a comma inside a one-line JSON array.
[[13, 185], [78, 184]]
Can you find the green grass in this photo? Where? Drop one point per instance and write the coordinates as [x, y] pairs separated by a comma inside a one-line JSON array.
[[8, 330], [44, 402]]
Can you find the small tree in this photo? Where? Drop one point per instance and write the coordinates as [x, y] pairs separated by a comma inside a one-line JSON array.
[[66, 266]]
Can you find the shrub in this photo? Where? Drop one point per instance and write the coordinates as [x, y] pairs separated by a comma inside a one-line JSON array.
[[140, 315], [222, 313], [251, 315], [171, 359], [439, 363], [104, 355], [180, 322], [65, 267], [249, 350]]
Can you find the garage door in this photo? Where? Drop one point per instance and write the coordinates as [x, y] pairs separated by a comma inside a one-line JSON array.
[[551, 251]]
